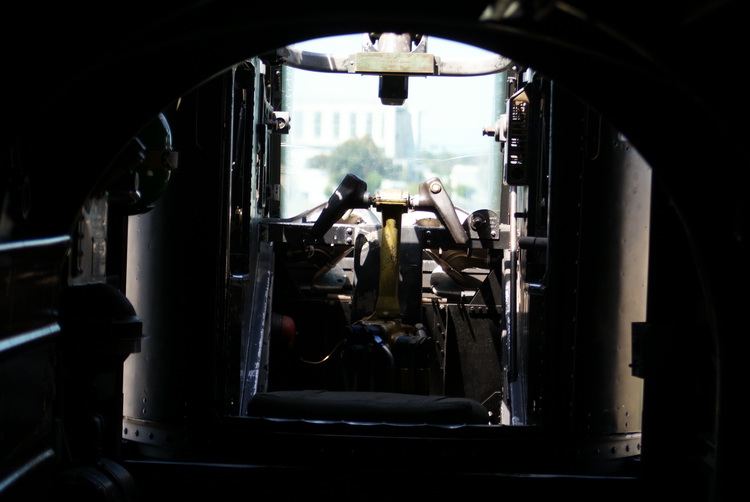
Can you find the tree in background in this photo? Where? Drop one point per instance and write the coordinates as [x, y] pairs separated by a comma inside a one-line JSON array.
[[360, 157]]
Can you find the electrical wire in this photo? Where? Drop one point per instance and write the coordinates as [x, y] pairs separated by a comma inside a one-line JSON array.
[[326, 357]]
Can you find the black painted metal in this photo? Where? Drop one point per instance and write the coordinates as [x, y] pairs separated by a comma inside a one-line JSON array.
[[623, 62], [177, 277]]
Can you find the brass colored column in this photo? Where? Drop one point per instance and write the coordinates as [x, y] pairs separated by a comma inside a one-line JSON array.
[[387, 306]]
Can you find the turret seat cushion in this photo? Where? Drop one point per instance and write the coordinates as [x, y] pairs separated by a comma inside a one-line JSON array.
[[383, 407]]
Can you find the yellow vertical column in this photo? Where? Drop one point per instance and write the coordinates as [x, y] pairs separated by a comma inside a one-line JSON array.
[[387, 306]]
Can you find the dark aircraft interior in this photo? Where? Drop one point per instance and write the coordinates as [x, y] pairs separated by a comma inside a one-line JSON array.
[[394, 250]]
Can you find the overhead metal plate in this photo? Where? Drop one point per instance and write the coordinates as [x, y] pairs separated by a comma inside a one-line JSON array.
[[397, 63]]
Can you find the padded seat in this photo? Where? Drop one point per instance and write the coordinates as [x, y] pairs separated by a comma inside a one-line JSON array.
[[383, 407]]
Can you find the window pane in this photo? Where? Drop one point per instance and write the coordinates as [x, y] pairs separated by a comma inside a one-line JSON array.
[[340, 126]]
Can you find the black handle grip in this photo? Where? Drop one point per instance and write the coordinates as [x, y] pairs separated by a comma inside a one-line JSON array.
[[350, 194]]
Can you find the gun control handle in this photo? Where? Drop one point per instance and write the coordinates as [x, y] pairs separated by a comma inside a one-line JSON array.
[[434, 197], [350, 194]]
